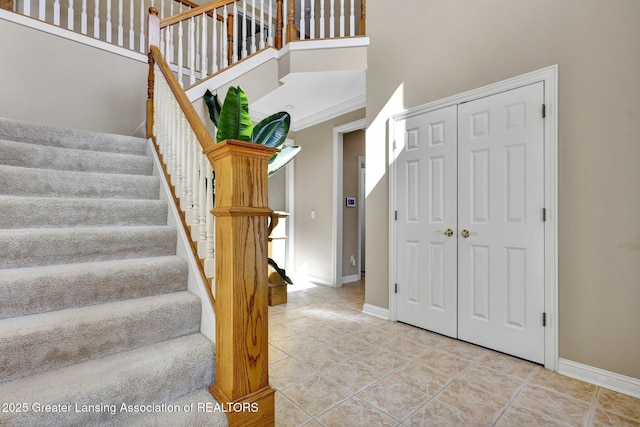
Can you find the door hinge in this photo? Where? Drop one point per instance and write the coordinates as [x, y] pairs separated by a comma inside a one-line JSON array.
[[544, 111], [544, 319], [395, 215], [396, 288], [544, 214]]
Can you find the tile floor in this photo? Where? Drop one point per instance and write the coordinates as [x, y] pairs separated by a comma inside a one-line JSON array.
[[332, 365]]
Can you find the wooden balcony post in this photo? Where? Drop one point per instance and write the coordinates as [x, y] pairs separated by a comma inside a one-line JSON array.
[[230, 39], [6, 5], [279, 23], [292, 30], [242, 213], [363, 17], [153, 39]]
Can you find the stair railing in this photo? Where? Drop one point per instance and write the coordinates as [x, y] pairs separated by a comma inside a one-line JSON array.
[[120, 22], [236, 240]]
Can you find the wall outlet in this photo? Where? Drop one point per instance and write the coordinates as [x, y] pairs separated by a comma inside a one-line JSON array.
[[352, 260], [313, 214]]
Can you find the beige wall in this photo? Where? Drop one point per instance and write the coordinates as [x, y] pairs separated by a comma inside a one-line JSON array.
[[438, 49], [51, 80], [353, 146], [314, 191]]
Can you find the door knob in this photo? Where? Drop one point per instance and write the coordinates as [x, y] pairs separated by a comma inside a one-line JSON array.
[[448, 232], [465, 233]]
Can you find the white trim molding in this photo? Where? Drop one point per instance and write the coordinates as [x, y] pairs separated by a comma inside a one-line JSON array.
[[351, 278], [373, 310], [600, 377], [549, 76]]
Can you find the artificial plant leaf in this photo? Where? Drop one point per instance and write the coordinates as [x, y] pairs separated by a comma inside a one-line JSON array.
[[278, 161], [281, 272], [213, 103], [235, 122], [273, 130]]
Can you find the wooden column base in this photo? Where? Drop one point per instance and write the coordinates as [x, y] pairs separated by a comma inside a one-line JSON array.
[[256, 409]]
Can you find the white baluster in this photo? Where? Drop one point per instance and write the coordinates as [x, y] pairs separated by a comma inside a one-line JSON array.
[[303, 24], [234, 34], [332, 20], [209, 218], [202, 232], [322, 19], [70, 15], [194, 220], [132, 36], [192, 52], [261, 24], [168, 50], [253, 27], [26, 8], [120, 26], [225, 44], [42, 7], [243, 54], [180, 53], [341, 18], [83, 18], [214, 44], [164, 34], [203, 47], [286, 21], [196, 41], [96, 19], [312, 20], [143, 47], [56, 11], [108, 28], [352, 20], [270, 30]]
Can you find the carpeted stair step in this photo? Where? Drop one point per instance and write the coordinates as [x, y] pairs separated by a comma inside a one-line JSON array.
[[33, 290], [15, 130], [155, 374], [43, 157], [28, 182], [40, 212], [37, 247], [92, 332]]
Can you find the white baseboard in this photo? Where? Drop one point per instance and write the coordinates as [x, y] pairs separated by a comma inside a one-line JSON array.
[[351, 278], [376, 311], [600, 377], [320, 281]]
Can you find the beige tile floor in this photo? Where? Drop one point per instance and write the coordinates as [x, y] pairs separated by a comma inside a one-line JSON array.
[[332, 365]]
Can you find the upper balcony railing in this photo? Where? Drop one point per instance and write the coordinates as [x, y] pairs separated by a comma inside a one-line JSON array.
[[201, 40]]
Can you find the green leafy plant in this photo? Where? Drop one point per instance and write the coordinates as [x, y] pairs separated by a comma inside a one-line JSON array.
[[232, 121]]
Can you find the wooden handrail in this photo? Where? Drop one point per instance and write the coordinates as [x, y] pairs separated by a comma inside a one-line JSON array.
[[194, 12]]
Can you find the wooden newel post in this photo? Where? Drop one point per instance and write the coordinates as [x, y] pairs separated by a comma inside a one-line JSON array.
[[279, 23], [153, 39], [242, 213], [363, 17]]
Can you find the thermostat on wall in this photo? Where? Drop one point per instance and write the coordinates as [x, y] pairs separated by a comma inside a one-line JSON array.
[[351, 202]]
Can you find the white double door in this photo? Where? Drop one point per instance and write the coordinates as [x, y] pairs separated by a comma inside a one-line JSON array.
[[470, 233]]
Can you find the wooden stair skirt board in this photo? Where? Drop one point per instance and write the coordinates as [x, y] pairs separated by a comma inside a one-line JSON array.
[[276, 248]]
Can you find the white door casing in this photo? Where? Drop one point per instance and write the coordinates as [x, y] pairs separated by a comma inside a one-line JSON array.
[[426, 222], [500, 202]]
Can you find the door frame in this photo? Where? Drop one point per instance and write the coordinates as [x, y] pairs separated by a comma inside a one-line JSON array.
[[338, 144], [549, 76]]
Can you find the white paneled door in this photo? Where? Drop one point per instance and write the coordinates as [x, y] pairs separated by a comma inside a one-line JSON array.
[[476, 169], [426, 200]]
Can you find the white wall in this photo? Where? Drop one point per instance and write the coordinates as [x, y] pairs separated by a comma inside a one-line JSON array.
[[314, 191], [462, 45], [55, 81]]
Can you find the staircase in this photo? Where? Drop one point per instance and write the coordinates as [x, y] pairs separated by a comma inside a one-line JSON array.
[[95, 317]]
